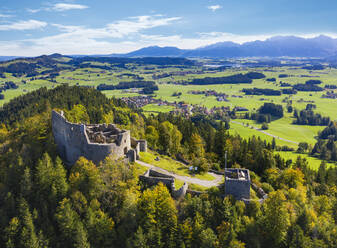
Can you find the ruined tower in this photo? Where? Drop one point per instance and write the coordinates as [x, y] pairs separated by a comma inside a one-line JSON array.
[[94, 142], [237, 183]]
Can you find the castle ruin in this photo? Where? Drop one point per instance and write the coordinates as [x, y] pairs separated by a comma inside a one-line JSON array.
[[237, 183], [94, 142], [152, 177]]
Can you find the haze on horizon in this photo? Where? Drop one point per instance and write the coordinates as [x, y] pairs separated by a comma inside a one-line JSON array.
[[31, 28]]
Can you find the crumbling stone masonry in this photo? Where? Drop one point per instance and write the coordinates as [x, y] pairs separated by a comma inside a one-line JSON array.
[[237, 183], [94, 142], [152, 177]]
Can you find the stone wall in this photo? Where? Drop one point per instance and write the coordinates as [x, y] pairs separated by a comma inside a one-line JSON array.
[[152, 177], [238, 186], [132, 155], [179, 193], [195, 192], [239, 189], [73, 142], [142, 145], [136, 146]]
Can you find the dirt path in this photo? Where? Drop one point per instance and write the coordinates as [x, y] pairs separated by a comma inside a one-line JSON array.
[[262, 131], [217, 181]]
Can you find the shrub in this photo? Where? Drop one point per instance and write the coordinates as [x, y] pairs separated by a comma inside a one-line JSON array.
[[267, 188], [264, 126], [201, 164]]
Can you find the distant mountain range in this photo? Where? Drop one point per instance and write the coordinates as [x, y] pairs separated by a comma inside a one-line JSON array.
[[278, 46], [5, 58]]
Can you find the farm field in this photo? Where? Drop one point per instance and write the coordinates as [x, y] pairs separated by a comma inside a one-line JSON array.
[[313, 162], [283, 128], [153, 108], [247, 132]]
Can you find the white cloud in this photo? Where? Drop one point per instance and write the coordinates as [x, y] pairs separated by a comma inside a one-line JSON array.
[[67, 6], [5, 16], [59, 7], [33, 10], [118, 37], [23, 25], [136, 24], [214, 7], [80, 40], [119, 29]]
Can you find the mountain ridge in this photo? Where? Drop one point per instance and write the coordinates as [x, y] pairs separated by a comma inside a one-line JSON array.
[[277, 46], [321, 46]]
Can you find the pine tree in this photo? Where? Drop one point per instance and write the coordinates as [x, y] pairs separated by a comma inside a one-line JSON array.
[[27, 234], [101, 232], [70, 226], [26, 183], [139, 239], [273, 144], [11, 233], [60, 180]]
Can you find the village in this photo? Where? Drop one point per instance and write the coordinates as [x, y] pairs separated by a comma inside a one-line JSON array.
[[182, 108]]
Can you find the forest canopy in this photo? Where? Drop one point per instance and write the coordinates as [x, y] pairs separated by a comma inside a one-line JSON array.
[[44, 203]]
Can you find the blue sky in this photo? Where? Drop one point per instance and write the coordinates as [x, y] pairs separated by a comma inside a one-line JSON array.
[[35, 27]]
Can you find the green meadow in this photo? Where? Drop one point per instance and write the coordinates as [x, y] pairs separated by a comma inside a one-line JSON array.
[[313, 162], [154, 108]]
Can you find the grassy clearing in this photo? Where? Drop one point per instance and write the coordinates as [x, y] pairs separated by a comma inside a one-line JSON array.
[[171, 165], [197, 187], [140, 169], [247, 132], [313, 162], [284, 128], [154, 108], [178, 183], [299, 133]]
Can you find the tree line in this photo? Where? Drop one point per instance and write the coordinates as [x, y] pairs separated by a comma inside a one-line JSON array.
[[326, 147], [309, 117], [234, 79], [308, 86], [148, 86]]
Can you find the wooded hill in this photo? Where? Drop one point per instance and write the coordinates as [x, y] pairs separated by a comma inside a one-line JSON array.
[[45, 204]]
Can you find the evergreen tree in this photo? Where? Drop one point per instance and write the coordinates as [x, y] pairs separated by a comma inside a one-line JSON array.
[[27, 234], [70, 226], [276, 219], [197, 146], [157, 210]]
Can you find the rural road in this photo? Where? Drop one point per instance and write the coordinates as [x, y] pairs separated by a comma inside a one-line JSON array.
[[218, 178], [262, 131]]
